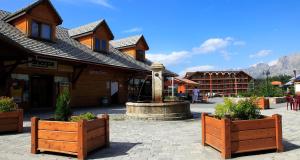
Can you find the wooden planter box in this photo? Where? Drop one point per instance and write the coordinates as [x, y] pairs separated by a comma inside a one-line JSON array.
[[11, 121], [263, 103], [75, 138], [230, 137]]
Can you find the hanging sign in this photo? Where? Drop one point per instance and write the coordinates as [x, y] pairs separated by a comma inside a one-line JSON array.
[[42, 63]]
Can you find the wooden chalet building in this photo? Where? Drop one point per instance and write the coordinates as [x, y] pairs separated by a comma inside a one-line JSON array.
[[223, 83], [39, 58]]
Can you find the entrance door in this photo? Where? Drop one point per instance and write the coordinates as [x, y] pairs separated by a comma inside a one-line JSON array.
[[42, 91], [114, 92]]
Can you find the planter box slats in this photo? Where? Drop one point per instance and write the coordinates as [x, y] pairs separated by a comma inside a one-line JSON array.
[[253, 134], [13, 114], [57, 146], [11, 121], [97, 123], [96, 133], [214, 142], [213, 131], [230, 137], [58, 135], [76, 138], [252, 124], [215, 122], [95, 143], [253, 145], [9, 127], [58, 126]]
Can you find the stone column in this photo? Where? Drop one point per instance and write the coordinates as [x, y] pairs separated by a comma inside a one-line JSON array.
[[157, 82]]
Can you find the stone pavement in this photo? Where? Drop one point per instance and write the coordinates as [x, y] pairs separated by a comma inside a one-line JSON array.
[[156, 140]]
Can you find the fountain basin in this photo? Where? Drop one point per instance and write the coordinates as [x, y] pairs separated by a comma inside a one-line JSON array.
[[158, 111]]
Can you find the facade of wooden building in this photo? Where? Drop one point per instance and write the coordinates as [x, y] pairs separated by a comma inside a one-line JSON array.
[[224, 83], [38, 59]]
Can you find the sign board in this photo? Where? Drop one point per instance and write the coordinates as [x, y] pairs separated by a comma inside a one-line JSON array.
[[42, 63]]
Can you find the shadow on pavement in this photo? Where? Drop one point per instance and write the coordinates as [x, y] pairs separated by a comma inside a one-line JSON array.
[[116, 149]]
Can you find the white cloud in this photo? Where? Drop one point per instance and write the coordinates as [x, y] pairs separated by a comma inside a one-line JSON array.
[[197, 68], [213, 45], [104, 3], [209, 46], [261, 53], [168, 59], [133, 30], [272, 63]]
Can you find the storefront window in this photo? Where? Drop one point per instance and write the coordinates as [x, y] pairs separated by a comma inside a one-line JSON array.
[[19, 89]]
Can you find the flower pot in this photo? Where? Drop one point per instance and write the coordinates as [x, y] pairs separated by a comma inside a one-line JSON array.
[[11, 121], [75, 138], [230, 137]]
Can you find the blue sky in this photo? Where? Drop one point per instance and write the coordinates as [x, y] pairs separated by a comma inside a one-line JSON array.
[[195, 34]]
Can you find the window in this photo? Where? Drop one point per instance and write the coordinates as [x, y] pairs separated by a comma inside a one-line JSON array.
[[100, 45], [41, 30], [140, 55], [46, 31], [97, 44], [103, 44], [34, 29]]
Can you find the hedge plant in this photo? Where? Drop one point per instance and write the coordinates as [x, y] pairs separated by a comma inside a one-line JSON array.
[[63, 110], [7, 104], [243, 110], [86, 116]]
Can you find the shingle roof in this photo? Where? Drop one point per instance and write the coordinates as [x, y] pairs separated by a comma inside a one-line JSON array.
[[85, 28], [69, 49], [187, 81], [3, 14], [28, 8], [127, 42]]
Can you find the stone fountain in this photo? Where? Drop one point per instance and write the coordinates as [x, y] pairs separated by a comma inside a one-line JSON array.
[[158, 109]]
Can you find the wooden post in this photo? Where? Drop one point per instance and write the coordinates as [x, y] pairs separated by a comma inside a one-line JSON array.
[[106, 117], [20, 121], [226, 152], [203, 116], [34, 135], [82, 140], [278, 126]]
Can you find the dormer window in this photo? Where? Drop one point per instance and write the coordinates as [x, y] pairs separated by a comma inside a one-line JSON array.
[[100, 45], [41, 30]]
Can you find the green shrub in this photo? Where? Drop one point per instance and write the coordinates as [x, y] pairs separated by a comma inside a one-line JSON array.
[[246, 109], [7, 104], [63, 110], [243, 110], [224, 110], [86, 116]]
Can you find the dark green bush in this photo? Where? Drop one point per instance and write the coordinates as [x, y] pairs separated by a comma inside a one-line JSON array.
[[63, 110], [246, 109], [7, 104], [86, 116], [243, 110]]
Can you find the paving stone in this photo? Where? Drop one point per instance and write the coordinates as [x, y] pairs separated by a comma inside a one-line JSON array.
[[156, 140]]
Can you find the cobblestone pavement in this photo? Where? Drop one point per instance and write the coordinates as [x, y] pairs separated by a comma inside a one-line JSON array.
[[157, 140]]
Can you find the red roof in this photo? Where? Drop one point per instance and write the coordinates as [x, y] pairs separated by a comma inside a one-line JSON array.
[[276, 83]]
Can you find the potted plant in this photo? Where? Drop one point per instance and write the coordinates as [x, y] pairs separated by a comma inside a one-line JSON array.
[[75, 135], [240, 127], [11, 118]]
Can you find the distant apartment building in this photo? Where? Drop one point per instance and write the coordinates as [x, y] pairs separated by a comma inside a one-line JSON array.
[[224, 83]]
